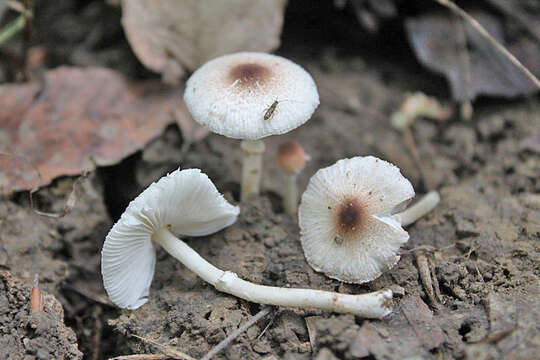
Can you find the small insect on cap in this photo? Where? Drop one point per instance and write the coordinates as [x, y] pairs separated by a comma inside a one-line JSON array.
[[345, 217], [291, 157], [185, 202], [251, 95]]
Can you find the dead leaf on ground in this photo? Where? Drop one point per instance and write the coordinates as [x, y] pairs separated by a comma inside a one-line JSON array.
[[79, 118], [169, 36], [523, 11], [435, 40]]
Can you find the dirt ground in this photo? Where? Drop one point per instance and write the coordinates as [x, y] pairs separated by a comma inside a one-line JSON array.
[[485, 230]]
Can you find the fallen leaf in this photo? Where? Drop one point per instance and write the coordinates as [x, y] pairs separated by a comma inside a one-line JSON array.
[[524, 11], [435, 41], [80, 117], [169, 36]]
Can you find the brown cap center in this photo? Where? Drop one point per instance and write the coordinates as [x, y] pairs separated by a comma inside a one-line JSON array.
[[249, 74], [350, 216]]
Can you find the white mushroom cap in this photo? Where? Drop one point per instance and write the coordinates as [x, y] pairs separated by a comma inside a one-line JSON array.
[[186, 202], [345, 217], [233, 95]]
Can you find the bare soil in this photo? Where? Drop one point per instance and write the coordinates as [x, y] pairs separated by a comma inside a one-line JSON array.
[[485, 230]]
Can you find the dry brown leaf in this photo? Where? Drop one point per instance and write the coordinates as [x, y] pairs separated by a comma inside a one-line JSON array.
[[524, 11], [437, 44], [169, 36], [79, 118]]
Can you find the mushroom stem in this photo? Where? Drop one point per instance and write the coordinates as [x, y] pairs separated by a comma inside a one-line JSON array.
[[290, 197], [372, 305], [252, 167], [421, 208]]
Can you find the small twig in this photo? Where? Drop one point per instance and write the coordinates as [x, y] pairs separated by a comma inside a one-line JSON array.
[[428, 248], [465, 69], [12, 28], [435, 281], [267, 326], [172, 353], [223, 344], [495, 337], [410, 323], [411, 144], [143, 357], [482, 31], [98, 332], [70, 202], [72, 197], [36, 297], [425, 276]]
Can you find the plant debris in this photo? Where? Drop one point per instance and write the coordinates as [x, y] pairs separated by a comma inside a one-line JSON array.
[[171, 36], [435, 40], [41, 332], [81, 118]]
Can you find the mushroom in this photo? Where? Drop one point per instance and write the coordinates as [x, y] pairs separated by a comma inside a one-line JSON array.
[[291, 159], [250, 96], [350, 219], [188, 203], [185, 202]]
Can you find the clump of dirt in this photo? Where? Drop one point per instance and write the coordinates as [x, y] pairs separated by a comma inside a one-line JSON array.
[[64, 253], [485, 231], [40, 335]]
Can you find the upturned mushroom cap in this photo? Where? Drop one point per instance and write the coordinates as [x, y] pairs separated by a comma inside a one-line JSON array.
[[345, 217], [234, 95], [186, 202], [291, 157]]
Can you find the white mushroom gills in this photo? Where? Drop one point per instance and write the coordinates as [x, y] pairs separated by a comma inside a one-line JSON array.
[[251, 96], [187, 203]]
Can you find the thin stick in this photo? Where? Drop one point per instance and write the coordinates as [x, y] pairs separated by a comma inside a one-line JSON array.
[[98, 332], [411, 144], [12, 28], [465, 69], [170, 352], [144, 357], [223, 344], [460, 12], [70, 202], [36, 297]]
